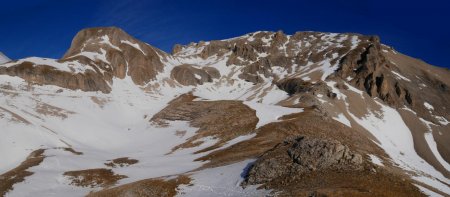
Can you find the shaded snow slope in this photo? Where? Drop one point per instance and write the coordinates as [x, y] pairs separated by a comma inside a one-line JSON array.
[[3, 58]]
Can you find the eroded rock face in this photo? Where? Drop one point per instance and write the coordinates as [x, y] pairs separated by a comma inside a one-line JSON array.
[[296, 85], [105, 52], [191, 75], [369, 70], [44, 74], [124, 54], [300, 155]]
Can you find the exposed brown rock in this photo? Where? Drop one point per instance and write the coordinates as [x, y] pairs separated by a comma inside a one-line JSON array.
[[349, 183], [121, 162], [190, 75], [224, 120], [142, 65], [93, 177], [296, 85], [176, 48], [73, 151], [145, 188], [215, 47], [304, 124], [47, 75], [124, 54], [300, 155], [322, 167], [50, 110], [254, 72]]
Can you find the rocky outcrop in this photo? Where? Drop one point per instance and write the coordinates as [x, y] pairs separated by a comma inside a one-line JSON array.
[[123, 53], [256, 72], [296, 85], [108, 52], [300, 155], [369, 70], [176, 48], [48, 75], [193, 75], [215, 47]]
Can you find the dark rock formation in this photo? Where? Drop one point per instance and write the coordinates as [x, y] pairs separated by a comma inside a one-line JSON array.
[[300, 155], [370, 71], [190, 75], [296, 85]]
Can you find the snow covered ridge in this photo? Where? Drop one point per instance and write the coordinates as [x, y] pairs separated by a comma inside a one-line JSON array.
[[3, 58], [115, 137]]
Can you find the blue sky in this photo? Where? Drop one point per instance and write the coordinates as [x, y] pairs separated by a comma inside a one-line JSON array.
[[45, 28]]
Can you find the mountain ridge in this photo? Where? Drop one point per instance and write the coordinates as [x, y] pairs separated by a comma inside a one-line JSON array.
[[226, 105]]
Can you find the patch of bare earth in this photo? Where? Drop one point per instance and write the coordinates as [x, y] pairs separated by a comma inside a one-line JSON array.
[[121, 162], [146, 188], [351, 183], [99, 177], [50, 110], [18, 174], [99, 101], [223, 120]]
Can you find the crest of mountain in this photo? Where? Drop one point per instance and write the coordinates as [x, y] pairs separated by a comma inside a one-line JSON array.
[[308, 114]]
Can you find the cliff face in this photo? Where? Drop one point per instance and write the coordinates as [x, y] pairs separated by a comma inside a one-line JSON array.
[[101, 54], [120, 54]]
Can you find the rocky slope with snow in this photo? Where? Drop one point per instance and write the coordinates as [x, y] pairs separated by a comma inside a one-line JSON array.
[[261, 114]]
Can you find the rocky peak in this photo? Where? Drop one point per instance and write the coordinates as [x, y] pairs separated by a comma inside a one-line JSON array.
[[116, 54], [96, 56]]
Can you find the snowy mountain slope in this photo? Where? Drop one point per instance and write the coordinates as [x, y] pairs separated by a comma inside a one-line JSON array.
[[3, 58], [100, 99]]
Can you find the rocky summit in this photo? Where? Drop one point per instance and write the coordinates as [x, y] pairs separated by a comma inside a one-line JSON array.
[[262, 114]]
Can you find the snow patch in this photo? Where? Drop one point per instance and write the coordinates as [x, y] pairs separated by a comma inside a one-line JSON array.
[[433, 146], [376, 160], [396, 139], [270, 113], [342, 119], [3, 58], [427, 191], [221, 181], [135, 45], [428, 106], [399, 76]]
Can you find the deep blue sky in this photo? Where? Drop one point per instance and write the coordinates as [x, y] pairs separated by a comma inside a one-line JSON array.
[[45, 28]]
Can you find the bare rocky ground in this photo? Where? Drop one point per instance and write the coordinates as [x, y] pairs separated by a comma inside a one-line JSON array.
[[147, 188], [121, 162], [93, 177], [223, 120]]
